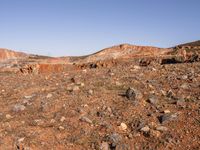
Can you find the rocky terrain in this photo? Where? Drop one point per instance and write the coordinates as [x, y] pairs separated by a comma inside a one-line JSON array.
[[122, 98]]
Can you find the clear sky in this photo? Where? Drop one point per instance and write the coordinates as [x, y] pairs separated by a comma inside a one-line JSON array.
[[79, 27]]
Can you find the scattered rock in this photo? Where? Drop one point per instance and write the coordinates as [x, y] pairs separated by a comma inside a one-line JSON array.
[[62, 119], [123, 126], [162, 128], [75, 88], [28, 97], [181, 102], [104, 146], [184, 77], [8, 116], [21, 140], [185, 86], [18, 108], [154, 133], [61, 128], [86, 119], [153, 99], [114, 139], [49, 95], [136, 67], [90, 92], [145, 129], [130, 94], [167, 117], [166, 111]]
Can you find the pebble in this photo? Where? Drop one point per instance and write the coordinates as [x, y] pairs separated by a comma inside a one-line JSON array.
[[28, 97], [61, 128], [90, 92], [75, 88], [62, 119], [167, 111], [167, 117], [184, 77], [8, 116], [49, 95], [145, 129], [153, 99], [115, 139], [130, 94], [21, 140], [181, 102], [104, 146], [86, 119], [18, 108], [136, 67], [161, 128], [185, 86], [52, 121], [123, 126]]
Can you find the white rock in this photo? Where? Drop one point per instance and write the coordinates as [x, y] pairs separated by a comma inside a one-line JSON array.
[[8, 116], [62, 119], [167, 111], [161, 128], [123, 126], [49, 95], [145, 129], [18, 108]]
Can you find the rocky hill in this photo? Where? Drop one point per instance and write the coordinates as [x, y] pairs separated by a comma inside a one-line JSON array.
[[6, 54], [122, 98]]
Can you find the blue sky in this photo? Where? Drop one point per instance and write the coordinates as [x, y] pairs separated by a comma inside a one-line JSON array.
[[79, 27]]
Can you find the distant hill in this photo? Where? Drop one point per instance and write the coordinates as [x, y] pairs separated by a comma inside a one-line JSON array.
[[195, 43], [6, 54]]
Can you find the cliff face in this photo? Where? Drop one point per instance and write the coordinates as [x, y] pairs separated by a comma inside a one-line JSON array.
[[6, 54]]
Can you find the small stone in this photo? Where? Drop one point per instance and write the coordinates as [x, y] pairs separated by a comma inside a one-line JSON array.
[[8, 116], [52, 121], [166, 111], [161, 128], [28, 97], [21, 140], [18, 108], [184, 77], [167, 117], [75, 88], [130, 136], [136, 67], [117, 83], [86, 119], [104, 146], [130, 94], [90, 92], [185, 86], [181, 102], [123, 126], [109, 109], [170, 94], [49, 95], [62, 119], [38, 122], [82, 84], [145, 129], [61, 128], [153, 99], [155, 133], [115, 139]]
